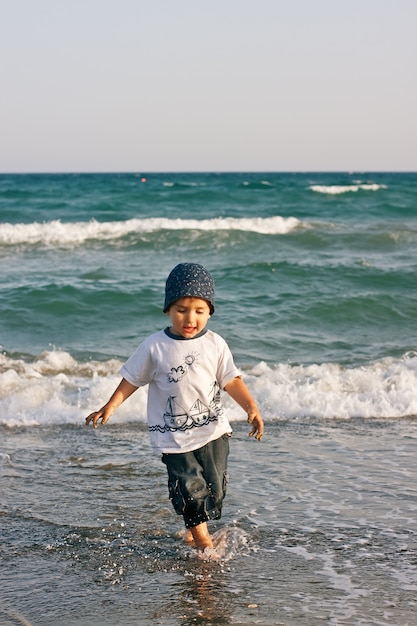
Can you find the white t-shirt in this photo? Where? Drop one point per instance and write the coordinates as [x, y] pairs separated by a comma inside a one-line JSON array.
[[184, 377]]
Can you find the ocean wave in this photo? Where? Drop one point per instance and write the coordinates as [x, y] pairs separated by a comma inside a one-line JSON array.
[[55, 388], [338, 189], [257, 184], [57, 233], [170, 183]]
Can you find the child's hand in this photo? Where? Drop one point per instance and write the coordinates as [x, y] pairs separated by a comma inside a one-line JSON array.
[[254, 418], [237, 389], [103, 414]]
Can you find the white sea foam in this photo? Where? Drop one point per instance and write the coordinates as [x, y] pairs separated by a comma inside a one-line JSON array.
[[57, 233], [338, 189], [55, 388], [385, 388]]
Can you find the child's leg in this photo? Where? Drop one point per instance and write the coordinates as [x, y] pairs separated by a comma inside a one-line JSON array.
[[201, 536], [197, 485]]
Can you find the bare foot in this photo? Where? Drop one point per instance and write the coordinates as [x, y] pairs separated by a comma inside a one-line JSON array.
[[201, 536], [188, 537]]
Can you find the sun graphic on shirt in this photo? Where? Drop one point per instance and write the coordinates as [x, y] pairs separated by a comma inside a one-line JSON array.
[[190, 359]]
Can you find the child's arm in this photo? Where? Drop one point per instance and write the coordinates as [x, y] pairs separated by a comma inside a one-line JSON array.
[[123, 391], [237, 389]]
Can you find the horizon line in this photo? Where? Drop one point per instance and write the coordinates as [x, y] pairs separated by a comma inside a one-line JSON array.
[[219, 172]]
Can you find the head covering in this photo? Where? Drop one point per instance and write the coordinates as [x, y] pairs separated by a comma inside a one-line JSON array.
[[189, 279]]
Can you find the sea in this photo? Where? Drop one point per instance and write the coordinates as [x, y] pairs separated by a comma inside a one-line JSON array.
[[316, 296]]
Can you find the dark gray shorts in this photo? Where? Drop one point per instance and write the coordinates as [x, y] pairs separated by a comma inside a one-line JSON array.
[[197, 481]]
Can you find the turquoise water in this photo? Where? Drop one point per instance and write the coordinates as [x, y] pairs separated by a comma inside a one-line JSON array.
[[316, 295], [313, 272]]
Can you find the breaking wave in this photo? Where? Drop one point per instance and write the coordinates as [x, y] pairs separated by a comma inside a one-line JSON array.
[[57, 233], [338, 189]]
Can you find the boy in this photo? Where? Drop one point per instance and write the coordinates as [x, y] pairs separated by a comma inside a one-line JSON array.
[[186, 365]]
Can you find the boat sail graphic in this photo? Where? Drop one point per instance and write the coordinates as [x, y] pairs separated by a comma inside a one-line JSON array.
[[200, 413], [176, 417]]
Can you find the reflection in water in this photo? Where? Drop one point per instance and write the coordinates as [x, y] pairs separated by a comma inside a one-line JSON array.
[[203, 599]]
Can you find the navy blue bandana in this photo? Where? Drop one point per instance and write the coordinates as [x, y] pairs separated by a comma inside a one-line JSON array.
[[189, 279]]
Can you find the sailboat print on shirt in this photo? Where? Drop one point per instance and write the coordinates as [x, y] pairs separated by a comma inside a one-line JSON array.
[[177, 418]]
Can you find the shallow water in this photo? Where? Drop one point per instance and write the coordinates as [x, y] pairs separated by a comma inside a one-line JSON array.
[[319, 527]]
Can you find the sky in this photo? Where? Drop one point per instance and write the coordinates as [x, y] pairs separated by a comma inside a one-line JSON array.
[[225, 85]]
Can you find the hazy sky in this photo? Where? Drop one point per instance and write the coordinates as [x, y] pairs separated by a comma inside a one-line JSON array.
[[220, 85]]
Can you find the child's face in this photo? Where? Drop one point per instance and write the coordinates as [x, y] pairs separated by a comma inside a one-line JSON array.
[[188, 316]]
